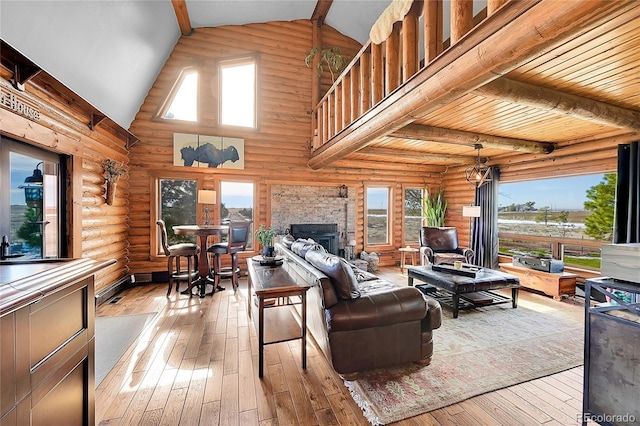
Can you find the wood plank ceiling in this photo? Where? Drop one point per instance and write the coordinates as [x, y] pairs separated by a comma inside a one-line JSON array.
[[587, 89]]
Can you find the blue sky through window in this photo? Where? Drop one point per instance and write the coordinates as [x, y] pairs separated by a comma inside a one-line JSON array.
[[568, 193]]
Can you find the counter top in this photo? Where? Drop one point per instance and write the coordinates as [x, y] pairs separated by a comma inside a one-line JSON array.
[[24, 282]]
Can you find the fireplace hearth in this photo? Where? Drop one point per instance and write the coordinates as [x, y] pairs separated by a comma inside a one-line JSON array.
[[326, 234]]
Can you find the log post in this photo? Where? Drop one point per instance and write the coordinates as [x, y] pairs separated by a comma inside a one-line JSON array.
[[461, 19], [410, 35], [493, 5], [392, 60], [377, 66], [346, 100], [365, 82], [337, 106], [432, 22], [355, 92]]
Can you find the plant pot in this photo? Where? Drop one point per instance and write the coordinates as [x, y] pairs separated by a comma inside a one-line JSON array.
[[111, 192], [268, 251]]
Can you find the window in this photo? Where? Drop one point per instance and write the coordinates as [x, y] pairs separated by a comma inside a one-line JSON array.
[[236, 203], [31, 185], [177, 206], [238, 93], [561, 211], [412, 215], [377, 207], [182, 103]]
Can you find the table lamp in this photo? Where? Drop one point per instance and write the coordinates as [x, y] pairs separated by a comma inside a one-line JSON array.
[[206, 197], [470, 211]]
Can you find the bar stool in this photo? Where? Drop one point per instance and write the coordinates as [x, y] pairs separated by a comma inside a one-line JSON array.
[[236, 242], [174, 253]]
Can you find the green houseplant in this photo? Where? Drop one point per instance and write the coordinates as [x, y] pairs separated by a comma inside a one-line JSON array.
[[434, 207], [331, 58], [265, 237]]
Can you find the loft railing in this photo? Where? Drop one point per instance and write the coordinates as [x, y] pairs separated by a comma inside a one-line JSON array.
[[380, 69]]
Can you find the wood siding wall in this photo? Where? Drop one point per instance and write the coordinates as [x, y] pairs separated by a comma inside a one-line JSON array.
[[277, 153], [96, 230]]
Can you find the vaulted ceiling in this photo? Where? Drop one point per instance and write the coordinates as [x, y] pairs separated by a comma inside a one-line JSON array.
[[110, 51]]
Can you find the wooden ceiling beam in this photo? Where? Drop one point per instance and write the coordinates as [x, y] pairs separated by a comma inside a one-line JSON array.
[[320, 12], [182, 15], [459, 137], [390, 154], [561, 102]]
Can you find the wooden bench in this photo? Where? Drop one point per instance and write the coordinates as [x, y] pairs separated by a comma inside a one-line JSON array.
[[554, 284]]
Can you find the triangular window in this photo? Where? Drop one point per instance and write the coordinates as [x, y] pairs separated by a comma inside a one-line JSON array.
[[182, 103]]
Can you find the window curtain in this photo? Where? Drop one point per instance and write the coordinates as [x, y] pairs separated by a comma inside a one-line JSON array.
[[484, 237], [626, 227]]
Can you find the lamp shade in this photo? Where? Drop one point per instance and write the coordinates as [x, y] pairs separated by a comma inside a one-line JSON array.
[[206, 196], [471, 211]]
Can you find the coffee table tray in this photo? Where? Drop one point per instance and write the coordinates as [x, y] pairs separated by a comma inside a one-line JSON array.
[[467, 269]]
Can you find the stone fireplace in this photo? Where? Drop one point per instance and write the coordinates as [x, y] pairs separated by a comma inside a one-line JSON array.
[[314, 205]]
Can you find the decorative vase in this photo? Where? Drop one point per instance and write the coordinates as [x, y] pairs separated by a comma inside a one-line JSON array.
[[111, 192], [268, 251]]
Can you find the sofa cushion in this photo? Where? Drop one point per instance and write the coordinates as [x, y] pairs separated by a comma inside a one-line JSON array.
[[362, 275], [302, 246], [338, 270], [287, 240], [382, 304]]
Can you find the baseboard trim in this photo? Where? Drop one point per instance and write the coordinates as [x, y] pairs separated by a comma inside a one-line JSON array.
[[110, 291]]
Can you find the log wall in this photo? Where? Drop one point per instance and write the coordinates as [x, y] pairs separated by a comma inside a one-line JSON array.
[[275, 154], [95, 229]]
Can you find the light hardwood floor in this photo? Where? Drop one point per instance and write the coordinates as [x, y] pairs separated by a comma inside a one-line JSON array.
[[197, 365]]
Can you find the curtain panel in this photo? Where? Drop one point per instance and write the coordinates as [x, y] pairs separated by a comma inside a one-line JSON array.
[[485, 229], [626, 222]]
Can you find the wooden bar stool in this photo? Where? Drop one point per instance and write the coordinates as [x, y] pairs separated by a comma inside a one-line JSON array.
[[236, 242], [174, 253]]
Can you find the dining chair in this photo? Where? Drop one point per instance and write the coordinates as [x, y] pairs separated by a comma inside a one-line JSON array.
[[174, 252], [239, 233]]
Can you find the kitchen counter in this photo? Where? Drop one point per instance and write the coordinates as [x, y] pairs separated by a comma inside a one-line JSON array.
[[26, 281]]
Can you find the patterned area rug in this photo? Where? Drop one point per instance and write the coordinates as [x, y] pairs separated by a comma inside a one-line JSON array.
[[481, 351]]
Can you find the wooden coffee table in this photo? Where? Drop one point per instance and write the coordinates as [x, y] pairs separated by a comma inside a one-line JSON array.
[[451, 287]]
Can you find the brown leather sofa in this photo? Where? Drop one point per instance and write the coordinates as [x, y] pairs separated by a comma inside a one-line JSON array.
[[440, 245], [359, 321]]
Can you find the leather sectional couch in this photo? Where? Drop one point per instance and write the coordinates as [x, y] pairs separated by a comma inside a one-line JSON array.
[[359, 321]]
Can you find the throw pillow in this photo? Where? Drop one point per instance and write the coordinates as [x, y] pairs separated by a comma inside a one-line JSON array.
[[301, 247], [338, 270], [287, 240]]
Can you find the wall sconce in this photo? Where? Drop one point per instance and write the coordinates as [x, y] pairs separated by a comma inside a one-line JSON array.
[[206, 197], [343, 191]]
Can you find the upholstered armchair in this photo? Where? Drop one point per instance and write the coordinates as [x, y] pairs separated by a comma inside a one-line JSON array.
[[440, 245]]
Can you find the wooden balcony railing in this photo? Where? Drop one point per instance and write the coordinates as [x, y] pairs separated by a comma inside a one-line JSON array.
[[380, 69]]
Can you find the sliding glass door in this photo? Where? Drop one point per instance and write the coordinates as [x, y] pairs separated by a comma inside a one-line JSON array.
[[30, 197]]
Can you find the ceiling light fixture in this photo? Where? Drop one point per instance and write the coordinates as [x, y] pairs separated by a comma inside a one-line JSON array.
[[479, 173]]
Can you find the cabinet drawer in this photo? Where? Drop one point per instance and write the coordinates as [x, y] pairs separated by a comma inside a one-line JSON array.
[[50, 346]]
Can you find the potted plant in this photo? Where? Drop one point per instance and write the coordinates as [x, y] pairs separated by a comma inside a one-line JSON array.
[[265, 237], [434, 207], [331, 58], [112, 172]]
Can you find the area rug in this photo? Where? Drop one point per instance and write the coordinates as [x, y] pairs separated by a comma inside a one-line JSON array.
[[114, 335], [481, 351]]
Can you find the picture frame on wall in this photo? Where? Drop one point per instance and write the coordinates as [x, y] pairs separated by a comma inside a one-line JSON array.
[[191, 150]]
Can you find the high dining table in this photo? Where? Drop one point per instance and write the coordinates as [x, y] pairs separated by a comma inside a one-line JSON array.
[[203, 232]]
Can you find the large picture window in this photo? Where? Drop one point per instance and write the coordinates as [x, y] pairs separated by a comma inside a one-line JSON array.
[[412, 215], [378, 219], [177, 206], [238, 92], [236, 203]]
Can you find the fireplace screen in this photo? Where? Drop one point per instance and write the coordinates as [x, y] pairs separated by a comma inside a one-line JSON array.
[[326, 234]]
